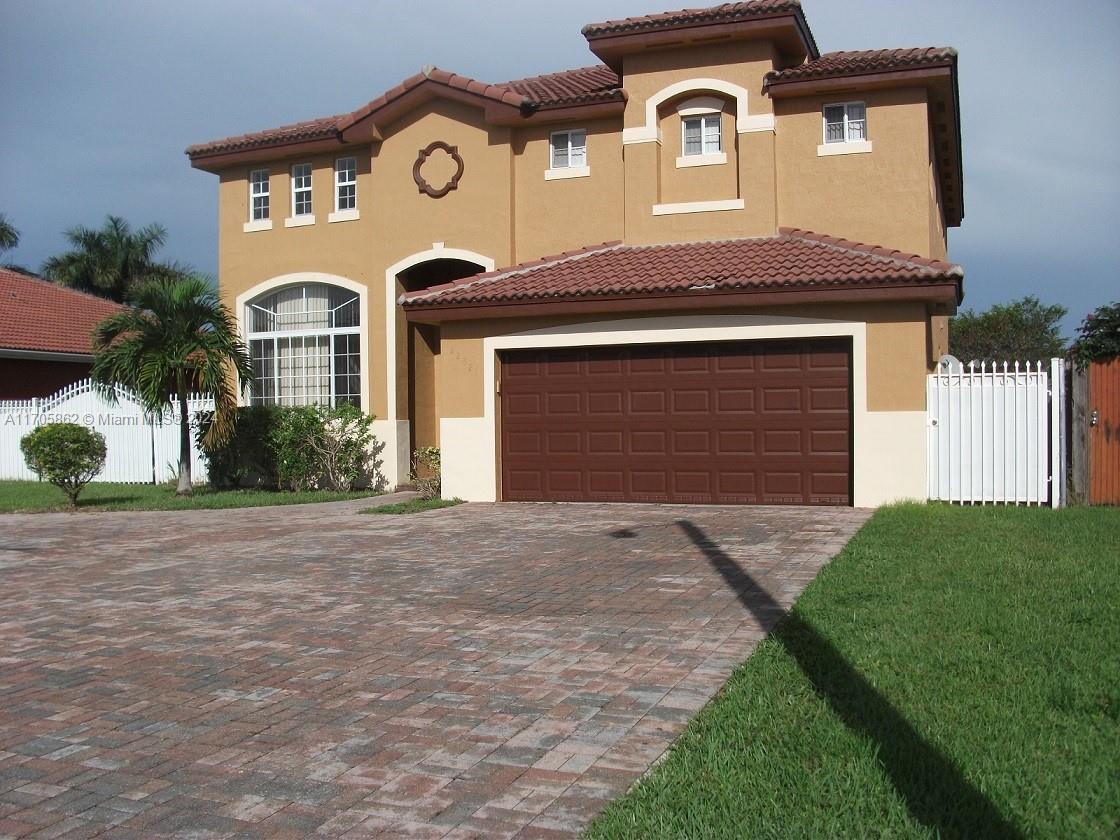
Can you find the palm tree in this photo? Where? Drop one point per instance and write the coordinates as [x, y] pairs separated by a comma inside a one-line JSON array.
[[108, 262], [177, 337], [9, 236]]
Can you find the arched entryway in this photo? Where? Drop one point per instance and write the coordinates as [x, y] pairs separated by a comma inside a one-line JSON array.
[[423, 347]]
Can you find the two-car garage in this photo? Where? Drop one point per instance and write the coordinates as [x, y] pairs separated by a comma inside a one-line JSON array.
[[747, 422]]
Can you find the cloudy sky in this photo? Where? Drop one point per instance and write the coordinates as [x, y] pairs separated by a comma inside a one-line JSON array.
[[98, 101]]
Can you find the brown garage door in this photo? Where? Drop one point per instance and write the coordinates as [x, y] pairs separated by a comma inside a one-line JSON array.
[[760, 422]]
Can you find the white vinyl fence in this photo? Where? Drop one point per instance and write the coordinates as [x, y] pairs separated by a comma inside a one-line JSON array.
[[996, 433], [142, 448]]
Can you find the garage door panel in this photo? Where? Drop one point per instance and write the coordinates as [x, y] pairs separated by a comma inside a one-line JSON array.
[[732, 423]]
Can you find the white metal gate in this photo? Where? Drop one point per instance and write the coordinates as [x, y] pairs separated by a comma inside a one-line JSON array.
[[141, 448], [996, 434]]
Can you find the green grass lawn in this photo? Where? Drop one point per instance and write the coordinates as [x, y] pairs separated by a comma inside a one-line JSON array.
[[955, 672], [20, 496], [414, 506]]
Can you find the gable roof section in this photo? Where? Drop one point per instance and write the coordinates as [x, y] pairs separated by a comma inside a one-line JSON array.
[[792, 260], [585, 85], [41, 316], [723, 13], [862, 62]]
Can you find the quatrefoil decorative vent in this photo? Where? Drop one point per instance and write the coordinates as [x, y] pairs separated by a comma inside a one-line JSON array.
[[423, 161]]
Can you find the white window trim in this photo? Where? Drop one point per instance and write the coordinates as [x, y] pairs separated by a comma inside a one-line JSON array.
[[745, 121], [567, 172], [848, 147], [243, 300], [709, 158], [296, 219], [349, 213], [698, 207], [259, 224], [845, 141], [582, 171], [344, 216]]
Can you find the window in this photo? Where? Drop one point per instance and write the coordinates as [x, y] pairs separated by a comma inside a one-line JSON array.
[[346, 184], [700, 135], [569, 149], [845, 122], [305, 345], [258, 195], [301, 189]]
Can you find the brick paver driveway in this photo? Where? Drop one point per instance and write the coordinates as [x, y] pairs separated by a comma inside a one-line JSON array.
[[483, 671]]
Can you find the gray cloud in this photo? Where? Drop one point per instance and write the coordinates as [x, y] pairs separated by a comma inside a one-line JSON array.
[[99, 100]]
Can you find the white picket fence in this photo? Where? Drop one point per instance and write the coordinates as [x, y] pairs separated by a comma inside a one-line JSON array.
[[996, 434], [141, 448]]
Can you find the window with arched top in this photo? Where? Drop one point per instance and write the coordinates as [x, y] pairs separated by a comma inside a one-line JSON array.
[[305, 345]]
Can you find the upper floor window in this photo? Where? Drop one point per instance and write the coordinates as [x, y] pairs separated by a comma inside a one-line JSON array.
[[301, 189], [569, 149], [700, 135], [258, 195], [305, 343], [346, 184], [845, 122]]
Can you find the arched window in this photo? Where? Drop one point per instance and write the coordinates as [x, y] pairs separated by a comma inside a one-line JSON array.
[[305, 346]]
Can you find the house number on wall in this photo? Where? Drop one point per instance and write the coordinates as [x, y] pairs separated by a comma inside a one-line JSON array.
[[435, 158]]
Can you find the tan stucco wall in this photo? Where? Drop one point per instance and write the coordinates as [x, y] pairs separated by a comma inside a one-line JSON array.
[[897, 359], [505, 210], [554, 216], [880, 198]]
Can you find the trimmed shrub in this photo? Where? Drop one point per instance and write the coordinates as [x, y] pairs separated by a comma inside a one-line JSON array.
[[426, 472], [65, 454], [298, 448]]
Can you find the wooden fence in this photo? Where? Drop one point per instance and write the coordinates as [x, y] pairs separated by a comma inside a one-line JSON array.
[[1095, 433]]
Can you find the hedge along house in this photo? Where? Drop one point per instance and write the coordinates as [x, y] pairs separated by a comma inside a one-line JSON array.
[[645, 280]]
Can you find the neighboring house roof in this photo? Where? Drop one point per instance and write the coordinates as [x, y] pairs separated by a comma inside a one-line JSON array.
[[723, 13], [793, 259], [41, 316], [862, 62]]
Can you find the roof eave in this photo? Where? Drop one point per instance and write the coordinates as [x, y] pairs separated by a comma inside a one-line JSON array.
[[943, 292], [610, 47]]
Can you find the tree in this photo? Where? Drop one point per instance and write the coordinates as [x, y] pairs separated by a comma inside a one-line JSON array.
[[1021, 330], [1098, 337], [176, 338], [111, 261], [9, 236]]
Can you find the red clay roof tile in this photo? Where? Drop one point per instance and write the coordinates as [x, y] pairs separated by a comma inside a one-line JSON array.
[[39, 315], [584, 84], [792, 259], [712, 14], [861, 62], [570, 87]]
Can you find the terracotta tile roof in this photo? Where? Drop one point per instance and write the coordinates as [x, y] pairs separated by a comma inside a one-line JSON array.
[[38, 315], [586, 84], [294, 133], [570, 87], [722, 13], [792, 259], [861, 62]]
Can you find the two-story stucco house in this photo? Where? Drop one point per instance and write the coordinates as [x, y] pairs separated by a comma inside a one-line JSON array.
[[709, 269]]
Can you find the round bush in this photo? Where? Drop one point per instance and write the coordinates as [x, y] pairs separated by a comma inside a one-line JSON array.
[[65, 454]]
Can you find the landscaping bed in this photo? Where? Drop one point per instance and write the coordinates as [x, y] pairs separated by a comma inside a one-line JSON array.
[[953, 671], [38, 496], [414, 506]]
